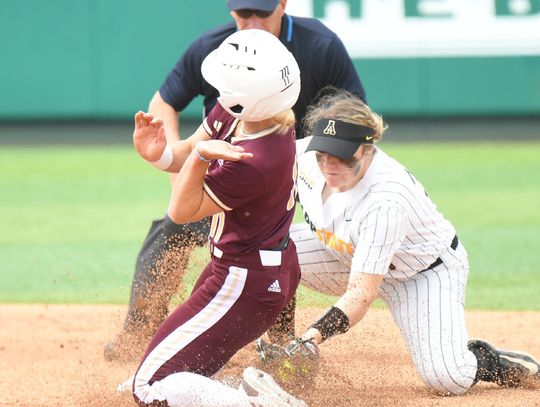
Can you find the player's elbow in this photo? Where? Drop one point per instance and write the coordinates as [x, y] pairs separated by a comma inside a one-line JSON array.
[[176, 219], [180, 214], [177, 215], [158, 104]]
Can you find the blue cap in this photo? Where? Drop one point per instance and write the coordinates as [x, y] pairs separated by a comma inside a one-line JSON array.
[[265, 5]]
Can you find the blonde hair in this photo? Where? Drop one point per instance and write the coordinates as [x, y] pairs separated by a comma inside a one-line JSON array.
[[285, 119], [341, 105]]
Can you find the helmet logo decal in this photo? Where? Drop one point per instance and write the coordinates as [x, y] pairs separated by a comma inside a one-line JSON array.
[[236, 46], [285, 75], [330, 128]]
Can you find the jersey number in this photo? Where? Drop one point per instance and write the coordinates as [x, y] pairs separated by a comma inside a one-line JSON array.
[[292, 197], [216, 227]]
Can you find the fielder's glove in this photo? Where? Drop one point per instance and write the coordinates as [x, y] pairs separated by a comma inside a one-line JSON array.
[[298, 362]]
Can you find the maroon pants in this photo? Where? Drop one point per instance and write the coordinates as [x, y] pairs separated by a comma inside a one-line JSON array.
[[233, 303]]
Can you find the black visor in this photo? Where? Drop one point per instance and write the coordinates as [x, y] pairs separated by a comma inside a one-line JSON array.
[[341, 139]]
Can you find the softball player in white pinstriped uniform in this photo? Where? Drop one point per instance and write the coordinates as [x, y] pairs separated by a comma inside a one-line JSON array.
[[372, 231]]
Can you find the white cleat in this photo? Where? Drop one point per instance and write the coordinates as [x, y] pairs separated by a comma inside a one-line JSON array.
[[263, 391], [126, 385]]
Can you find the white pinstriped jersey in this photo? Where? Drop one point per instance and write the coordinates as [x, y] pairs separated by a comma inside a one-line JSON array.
[[386, 218]]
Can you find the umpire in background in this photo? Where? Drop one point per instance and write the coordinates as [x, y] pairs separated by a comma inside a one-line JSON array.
[[164, 255]]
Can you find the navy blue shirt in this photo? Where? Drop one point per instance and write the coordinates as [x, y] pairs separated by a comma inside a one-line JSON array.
[[319, 52]]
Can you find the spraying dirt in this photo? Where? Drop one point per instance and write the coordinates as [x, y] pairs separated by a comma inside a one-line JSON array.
[[53, 356]]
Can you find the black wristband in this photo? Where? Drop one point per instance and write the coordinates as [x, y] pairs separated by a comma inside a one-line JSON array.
[[334, 322]]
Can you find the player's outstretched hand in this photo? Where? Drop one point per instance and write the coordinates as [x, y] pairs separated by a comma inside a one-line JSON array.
[[298, 362], [149, 136], [221, 150]]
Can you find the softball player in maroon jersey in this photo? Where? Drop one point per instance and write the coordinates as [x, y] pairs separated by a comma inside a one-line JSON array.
[[239, 166]]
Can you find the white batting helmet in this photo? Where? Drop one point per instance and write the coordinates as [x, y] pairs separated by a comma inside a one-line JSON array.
[[256, 76]]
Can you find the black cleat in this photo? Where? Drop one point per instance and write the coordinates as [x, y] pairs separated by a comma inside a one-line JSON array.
[[506, 368]]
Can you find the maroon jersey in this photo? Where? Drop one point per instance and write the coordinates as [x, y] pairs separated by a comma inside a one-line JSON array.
[[257, 194]]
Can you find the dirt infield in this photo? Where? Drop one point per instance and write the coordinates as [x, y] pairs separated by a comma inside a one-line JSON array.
[[52, 356]]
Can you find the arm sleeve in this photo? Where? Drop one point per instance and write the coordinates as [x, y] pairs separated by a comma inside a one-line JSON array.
[[185, 81], [380, 234], [342, 74]]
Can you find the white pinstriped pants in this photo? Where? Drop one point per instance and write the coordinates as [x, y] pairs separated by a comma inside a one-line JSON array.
[[429, 311]]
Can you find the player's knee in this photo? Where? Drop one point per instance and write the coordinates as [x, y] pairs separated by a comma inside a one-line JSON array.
[[446, 383]]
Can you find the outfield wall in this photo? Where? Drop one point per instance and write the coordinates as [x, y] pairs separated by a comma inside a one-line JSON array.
[[97, 59]]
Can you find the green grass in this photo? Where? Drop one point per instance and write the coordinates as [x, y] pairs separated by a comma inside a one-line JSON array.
[[72, 219], [491, 193]]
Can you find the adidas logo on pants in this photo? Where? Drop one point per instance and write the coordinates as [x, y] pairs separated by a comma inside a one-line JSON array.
[[274, 287]]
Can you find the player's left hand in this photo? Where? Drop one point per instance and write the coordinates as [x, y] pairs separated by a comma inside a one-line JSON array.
[[299, 359], [219, 149]]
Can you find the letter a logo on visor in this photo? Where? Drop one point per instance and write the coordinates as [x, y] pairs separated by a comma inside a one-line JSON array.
[[330, 128]]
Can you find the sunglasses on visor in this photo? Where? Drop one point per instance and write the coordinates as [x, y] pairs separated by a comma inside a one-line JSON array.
[[247, 13]]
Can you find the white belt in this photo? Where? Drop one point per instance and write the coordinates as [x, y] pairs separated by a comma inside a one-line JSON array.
[[268, 257]]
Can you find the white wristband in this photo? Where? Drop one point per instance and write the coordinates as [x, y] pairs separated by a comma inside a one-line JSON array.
[[165, 160]]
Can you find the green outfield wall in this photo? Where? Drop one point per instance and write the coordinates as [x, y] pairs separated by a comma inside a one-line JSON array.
[[97, 59]]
